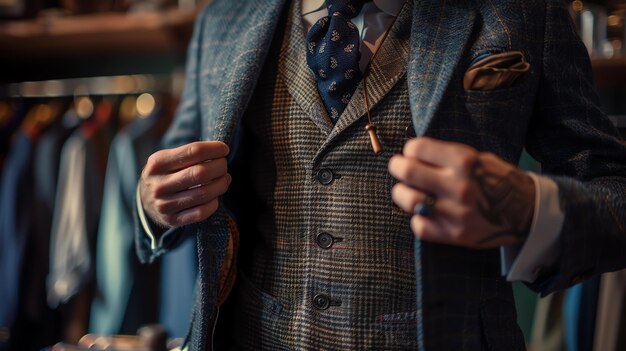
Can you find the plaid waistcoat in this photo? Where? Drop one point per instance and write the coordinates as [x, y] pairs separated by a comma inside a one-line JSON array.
[[327, 257]]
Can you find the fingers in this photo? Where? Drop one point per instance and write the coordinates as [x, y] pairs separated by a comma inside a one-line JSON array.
[[181, 186], [479, 196], [440, 228], [429, 230], [421, 176], [193, 197], [406, 198], [442, 168], [198, 174], [192, 215], [173, 160], [456, 156]]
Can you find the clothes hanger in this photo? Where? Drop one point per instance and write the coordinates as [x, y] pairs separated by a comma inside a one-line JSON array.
[[6, 113], [102, 114], [39, 117]]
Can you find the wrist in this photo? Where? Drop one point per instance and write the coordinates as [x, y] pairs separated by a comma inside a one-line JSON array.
[[152, 229]]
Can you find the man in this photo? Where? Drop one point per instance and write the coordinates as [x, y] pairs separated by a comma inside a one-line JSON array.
[[283, 117]]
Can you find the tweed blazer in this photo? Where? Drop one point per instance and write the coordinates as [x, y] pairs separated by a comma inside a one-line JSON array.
[[462, 302]]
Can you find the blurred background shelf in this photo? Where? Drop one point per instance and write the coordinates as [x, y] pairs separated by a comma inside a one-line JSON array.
[[100, 44], [115, 43]]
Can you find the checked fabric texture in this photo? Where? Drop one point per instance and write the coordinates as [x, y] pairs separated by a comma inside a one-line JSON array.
[[368, 273], [333, 55], [463, 302]]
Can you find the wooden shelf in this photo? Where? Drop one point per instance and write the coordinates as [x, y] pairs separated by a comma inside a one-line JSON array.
[[103, 44], [129, 43], [108, 33]]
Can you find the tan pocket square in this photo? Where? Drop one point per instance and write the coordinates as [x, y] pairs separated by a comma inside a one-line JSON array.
[[496, 71]]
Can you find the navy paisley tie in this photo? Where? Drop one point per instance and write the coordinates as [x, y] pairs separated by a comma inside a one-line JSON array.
[[333, 55]]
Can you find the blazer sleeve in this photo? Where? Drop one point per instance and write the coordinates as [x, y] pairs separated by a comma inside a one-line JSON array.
[[579, 149], [185, 128]]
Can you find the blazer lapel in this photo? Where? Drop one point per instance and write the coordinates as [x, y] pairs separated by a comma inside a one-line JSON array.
[[295, 70], [250, 44], [439, 33]]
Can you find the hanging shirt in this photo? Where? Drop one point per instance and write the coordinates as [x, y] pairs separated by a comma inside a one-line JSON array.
[[77, 211], [116, 308], [15, 223]]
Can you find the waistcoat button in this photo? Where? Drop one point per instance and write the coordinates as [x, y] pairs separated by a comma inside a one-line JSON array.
[[325, 176], [325, 240], [321, 301]]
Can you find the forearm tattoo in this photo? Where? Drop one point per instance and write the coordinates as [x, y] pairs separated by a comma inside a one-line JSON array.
[[506, 201]]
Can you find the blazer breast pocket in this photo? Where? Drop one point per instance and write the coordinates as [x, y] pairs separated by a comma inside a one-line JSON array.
[[489, 72], [501, 115]]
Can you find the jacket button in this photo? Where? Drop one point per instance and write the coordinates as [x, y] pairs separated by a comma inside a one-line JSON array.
[[325, 240], [410, 131], [325, 176], [321, 301]]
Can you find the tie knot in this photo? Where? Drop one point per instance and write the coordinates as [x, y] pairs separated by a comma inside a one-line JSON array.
[[347, 8]]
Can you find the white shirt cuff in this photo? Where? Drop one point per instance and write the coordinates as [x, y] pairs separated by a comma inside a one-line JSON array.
[[144, 221], [526, 261]]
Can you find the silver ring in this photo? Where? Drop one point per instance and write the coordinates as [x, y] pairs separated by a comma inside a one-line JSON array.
[[426, 207]]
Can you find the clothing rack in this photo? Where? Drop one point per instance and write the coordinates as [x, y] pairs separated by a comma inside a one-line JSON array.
[[105, 85], [110, 125]]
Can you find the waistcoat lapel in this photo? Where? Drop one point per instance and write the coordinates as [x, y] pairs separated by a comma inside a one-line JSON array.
[[294, 68], [439, 34], [386, 69]]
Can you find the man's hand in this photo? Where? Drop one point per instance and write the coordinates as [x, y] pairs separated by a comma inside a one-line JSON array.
[[181, 186], [481, 200]]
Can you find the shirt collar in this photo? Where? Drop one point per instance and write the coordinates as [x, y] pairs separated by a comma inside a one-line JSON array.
[[390, 7]]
